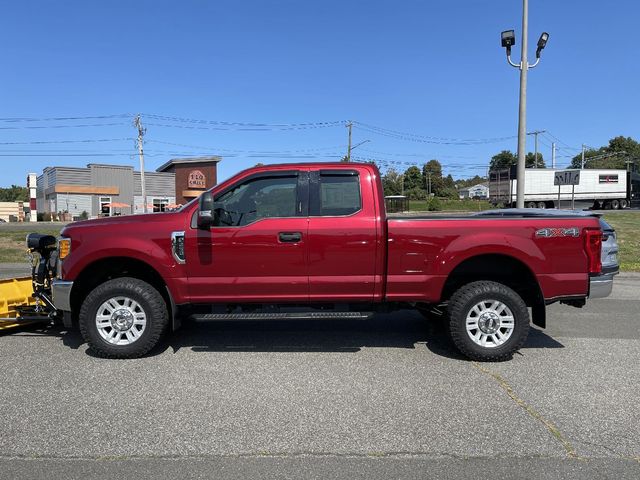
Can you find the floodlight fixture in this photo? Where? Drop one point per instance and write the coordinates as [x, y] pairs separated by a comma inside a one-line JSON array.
[[542, 42], [508, 38]]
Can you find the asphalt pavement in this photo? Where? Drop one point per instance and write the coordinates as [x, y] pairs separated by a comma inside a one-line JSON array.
[[382, 398]]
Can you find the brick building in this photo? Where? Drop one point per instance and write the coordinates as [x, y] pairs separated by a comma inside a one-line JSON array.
[[192, 176]]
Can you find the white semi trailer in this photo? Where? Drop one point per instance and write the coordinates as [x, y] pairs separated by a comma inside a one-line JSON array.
[[606, 188]]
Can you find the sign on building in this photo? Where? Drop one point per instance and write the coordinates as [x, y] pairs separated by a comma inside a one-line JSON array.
[[197, 179]]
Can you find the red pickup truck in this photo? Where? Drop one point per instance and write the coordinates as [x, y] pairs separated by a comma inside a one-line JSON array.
[[314, 241]]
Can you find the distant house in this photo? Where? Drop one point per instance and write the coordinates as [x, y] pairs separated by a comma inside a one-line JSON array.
[[480, 190]]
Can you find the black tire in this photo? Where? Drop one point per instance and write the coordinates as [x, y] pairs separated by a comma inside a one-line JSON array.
[[615, 204], [542, 204], [624, 203], [148, 299], [461, 304], [532, 204]]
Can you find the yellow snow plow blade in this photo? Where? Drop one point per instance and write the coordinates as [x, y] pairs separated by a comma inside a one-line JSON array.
[[14, 292]]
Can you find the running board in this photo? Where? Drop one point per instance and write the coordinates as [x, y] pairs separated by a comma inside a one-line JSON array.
[[283, 316]]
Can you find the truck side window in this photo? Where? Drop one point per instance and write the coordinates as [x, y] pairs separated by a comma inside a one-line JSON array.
[[339, 194], [266, 197]]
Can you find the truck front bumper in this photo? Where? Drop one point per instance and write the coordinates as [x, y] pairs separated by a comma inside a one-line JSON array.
[[61, 294], [600, 286]]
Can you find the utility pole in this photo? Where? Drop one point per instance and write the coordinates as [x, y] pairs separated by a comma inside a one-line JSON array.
[[508, 39], [553, 155], [349, 125], [429, 177], [535, 154], [141, 131], [582, 162]]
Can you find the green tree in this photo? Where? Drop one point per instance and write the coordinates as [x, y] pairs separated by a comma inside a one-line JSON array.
[[412, 179], [433, 169], [506, 158], [614, 155], [469, 182], [392, 182], [416, 193], [14, 193], [449, 189], [531, 163]]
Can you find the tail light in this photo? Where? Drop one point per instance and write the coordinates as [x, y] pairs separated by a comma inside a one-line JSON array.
[[593, 247]]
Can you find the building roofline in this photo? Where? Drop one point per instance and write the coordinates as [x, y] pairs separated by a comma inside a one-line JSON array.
[[178, 161]]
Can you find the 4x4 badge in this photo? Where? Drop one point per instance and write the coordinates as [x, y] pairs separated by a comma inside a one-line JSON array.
[[558, 232]]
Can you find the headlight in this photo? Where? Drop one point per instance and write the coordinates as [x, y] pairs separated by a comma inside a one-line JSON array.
[[64, 248]]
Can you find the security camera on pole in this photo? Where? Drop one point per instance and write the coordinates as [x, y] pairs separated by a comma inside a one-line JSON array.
[[508, 38]]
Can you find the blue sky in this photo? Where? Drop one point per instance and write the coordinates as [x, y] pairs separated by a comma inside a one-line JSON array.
[[434, 69]]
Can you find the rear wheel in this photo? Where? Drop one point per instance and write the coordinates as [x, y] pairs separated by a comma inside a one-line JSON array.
[[542, 205], [615, 204], [532, 204], [488, 321], [624, 203], [123, 318]]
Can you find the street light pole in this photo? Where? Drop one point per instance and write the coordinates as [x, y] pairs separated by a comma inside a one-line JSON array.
[[535, 151], [349, 126], [522, 108], [508, 40]]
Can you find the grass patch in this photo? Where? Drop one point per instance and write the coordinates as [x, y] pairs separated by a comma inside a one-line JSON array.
[[627, 225], [12, 248], [452, 205]]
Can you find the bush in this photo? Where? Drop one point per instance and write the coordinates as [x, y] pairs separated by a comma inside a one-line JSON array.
[[434, 204], [84, 215], [449, 193], [416, 194]]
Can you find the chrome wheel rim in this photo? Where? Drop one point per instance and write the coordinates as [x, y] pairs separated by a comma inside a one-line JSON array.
[[121, 321], [490, 323]]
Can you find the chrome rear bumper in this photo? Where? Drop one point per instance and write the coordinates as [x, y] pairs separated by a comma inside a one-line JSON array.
[[601, 285]]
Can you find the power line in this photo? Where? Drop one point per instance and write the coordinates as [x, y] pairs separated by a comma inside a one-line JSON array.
[[560, 141], [423, 155], [61, 155], [429, 138], [68, 141], [50, 119], [240, 125], [64, 126], [336, 147]]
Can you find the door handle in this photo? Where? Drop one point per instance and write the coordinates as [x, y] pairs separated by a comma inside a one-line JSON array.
[[290, 237]]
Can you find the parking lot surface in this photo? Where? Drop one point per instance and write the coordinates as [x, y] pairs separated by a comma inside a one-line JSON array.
[[379, 398]]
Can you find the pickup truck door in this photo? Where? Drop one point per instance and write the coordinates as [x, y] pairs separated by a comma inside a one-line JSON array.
[[342, 240], [257, 251]]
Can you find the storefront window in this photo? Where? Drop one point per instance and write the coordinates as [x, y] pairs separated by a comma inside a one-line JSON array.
[[105, 206], [160, 204]]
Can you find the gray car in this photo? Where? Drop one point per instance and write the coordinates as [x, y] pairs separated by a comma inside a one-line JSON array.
[[610, 263]]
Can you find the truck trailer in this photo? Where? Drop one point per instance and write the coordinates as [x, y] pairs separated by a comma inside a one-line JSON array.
[[605, 188]]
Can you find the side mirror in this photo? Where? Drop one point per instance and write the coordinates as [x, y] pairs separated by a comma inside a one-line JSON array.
[[205, 211]]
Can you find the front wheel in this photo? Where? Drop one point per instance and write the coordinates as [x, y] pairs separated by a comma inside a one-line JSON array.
[[488, 321], [123, 318]]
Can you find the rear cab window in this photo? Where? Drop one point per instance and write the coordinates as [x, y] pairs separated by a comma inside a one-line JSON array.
[[336, 193]]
